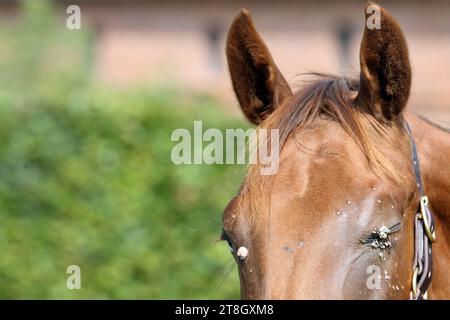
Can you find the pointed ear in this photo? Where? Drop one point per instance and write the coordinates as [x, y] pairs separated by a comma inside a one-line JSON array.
[[385, 78], [257, 82]]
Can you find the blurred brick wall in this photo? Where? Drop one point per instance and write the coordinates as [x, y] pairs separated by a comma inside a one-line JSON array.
[[182, 42]]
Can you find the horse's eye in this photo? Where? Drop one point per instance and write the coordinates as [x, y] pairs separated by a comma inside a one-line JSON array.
[[227, 238], [379, 238]]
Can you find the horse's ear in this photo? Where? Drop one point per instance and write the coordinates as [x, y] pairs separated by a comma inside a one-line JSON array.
[[385, 78], [257, 82]]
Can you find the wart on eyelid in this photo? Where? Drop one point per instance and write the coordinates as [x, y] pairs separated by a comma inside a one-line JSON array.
[[380, 237]]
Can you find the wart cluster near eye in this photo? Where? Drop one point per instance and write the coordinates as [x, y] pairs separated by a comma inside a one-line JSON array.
[[380, 237], [242, 253]]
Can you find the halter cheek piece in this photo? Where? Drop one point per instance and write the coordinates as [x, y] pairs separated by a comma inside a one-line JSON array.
[[424, 234]]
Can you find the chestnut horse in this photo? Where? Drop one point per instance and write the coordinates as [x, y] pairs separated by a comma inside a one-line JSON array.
[[337, 221]]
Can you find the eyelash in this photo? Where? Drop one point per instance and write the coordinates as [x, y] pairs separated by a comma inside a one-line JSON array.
[[225, 237], [369, 239]]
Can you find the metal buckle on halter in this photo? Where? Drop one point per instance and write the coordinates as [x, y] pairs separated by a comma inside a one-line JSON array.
[[426, 223], [414, 293]]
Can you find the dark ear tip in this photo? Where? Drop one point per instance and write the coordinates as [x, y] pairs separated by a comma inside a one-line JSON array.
[[383, 11], [245, 12], [244, 18], [371, 3], [243, 15]]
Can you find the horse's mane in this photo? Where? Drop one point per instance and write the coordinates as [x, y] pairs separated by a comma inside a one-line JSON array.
[[331, 97], [321, 95]]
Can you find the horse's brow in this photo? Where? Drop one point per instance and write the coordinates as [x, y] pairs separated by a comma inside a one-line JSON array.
[[230, 208]]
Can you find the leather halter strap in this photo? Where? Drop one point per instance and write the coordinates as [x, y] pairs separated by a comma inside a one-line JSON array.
[[424, 234]]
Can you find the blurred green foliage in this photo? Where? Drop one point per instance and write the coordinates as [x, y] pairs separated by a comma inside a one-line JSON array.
[[86, 179]]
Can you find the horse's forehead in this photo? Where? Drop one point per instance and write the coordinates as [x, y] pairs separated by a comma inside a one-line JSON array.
[[325, 159], [326, 138]]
